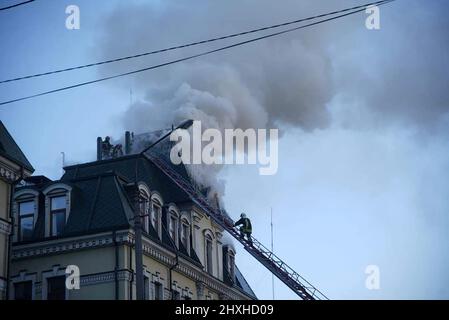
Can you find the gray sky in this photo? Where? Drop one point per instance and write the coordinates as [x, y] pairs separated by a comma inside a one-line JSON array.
[[363, 173]]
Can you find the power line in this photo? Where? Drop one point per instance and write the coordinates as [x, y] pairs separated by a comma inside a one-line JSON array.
[[190, 44], [185, 58], [16, 5]]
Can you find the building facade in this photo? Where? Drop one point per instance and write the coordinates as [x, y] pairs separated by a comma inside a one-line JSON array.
[[14, 166], [85, 222]]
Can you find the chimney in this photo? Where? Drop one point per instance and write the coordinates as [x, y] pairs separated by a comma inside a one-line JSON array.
[[99, 142], [127, 142]]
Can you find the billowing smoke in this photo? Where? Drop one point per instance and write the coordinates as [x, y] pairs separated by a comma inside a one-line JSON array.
[[296, 80]]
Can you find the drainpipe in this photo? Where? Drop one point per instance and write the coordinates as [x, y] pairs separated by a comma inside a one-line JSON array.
[[10, 236]]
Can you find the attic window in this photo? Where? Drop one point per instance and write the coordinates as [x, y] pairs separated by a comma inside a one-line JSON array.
[[57, 208], [144, 203], [231, 265], [26, 220], [185, 233], [209, 254], [156, 213], [173, 225], [25, 209], [58, 212]]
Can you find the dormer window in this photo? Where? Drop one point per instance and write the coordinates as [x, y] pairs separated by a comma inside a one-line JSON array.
[[156, 212], [57, 208], [209, 254], [26, 220], [25, 212], [173, 224], [155, 217], [58, 215], [144, 206], [231, 265], [173, 227], [185, 233]]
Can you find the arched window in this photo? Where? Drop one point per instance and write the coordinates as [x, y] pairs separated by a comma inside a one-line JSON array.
[[231, 263], [208, 251], [173, 223], [57, 208], [156, 212], [144, 206], [25, 211], [185, 233]]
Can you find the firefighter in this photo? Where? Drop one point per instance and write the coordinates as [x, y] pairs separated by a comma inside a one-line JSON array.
[[245, 228], [106, 148]]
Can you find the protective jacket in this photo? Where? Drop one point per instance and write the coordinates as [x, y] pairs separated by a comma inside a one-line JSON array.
[[246, 225]]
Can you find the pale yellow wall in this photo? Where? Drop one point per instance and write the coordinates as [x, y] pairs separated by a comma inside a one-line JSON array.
[[4, 200], [3, 252]]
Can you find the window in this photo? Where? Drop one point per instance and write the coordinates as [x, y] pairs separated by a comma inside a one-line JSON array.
[[57, 208], [185, 235], [57, 215], [231, 266], [209, 254], [155, 217], [176, 295], [56, 288], [186, 294], [173, 227], [26, 220], [158, 291], [144, 203], [146, 287], [23, 290]]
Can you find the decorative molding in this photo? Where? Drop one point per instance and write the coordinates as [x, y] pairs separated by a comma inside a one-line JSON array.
[[93, 279], [61, 245], [5, 227], [9, 175]]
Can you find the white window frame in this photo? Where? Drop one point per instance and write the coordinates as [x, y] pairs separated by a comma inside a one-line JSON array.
[[57, 271], [156, 201], [24, 195], [173, 213], [184, 221], [145, 191], [209, 236], [231, 267], [148, 290], [158, 280], [56, 190], [23, 277]]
